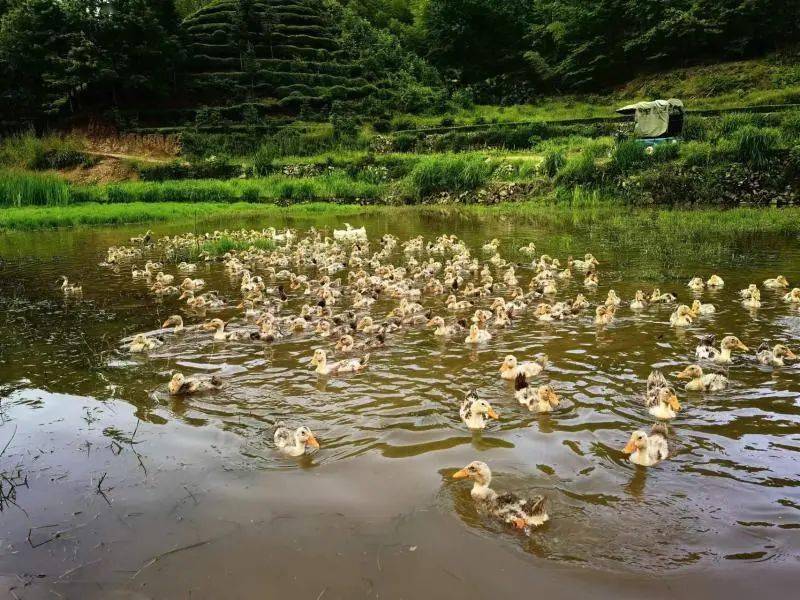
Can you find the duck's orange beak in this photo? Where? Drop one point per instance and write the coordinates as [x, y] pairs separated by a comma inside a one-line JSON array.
[[741, 346], [493, 414], [683, 375], [673, 402], [166, 323], [312, 441], [462, 474], [790, 355], [630, 447]]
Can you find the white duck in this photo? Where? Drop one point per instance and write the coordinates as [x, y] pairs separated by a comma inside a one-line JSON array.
[[475, 411], [705, 350], [180, 385], [294, 443], [323, 367], [648, 450], [542, 399], [701, 382], [511, 367]]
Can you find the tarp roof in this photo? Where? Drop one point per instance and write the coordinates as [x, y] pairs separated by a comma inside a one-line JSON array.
[[651, 104]]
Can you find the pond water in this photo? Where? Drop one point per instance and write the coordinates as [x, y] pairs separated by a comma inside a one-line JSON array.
[[124, 491]]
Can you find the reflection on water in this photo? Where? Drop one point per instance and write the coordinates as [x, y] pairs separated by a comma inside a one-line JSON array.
[[730, 490]]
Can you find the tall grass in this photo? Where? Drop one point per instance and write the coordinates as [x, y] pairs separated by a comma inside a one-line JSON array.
[[26, 151], [753, 145], [18, 188], [449, 172]]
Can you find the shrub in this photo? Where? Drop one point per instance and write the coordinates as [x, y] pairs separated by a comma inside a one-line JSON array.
[[665, 152], [554, 161], [446, 173], [579, 170], [27, 151], [695, 129], [27, 189], [697, 154], [790, 127], [753, 145]]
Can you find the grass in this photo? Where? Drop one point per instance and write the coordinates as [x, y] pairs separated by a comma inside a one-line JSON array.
[[453, 173], [20, 188], [26, 151]]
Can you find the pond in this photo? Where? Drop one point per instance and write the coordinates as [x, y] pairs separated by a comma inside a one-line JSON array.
[[112, 486]]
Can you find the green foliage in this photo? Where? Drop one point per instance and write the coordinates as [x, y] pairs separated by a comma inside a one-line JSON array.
[[753, 145], [554, 161], [210, 168], [26, 151], [19, 188], [449, 173], [697, 154], [628, 156]]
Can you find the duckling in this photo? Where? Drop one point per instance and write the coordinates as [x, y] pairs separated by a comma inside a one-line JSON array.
[[696, 284], [180, 385], [638, 302], [660, 397], [454, 305], [778, 283], [580, 303], [294, 443], [541, 399], [666, 298], [774, 357], [511, 367], [522, 513], [681, 317], [603, 315], [475, 411], [648, 450], [164, 279], [323, 367], [175, 321], [501, 317], [591, 280], [754, 301], [360, 301], [700, 382], [543, 312], [699, 308], [706, 350], [186, 267], [715, 281], [613, 299], [142, 240], [193, 285], [477, 335], [588, 262], [142, 343], [220, 335], [749, 291], [792, 297], [528, 250], [491, 247], [367, 325], [442, 329], [70, 289]]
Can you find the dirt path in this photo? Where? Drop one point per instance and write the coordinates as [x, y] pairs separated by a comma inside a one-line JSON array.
[[127, 157]]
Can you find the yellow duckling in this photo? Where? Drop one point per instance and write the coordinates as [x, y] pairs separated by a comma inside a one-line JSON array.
[[491, 247], [142, 343], [590, 281], [648, 450], [180, 385], [666, 405], [699, 308], [367, 325], [792, 297], [613, 299], [774, 357], [522, 513], [455, 305], [700, 382], [475, 411], [665, 298], [442, 329], [696, 284], [749, 291], [778, 283], [220, 335], [603, 315], [294, 443], [192, 284], [682, 317], [543, 312], [705, 349], [164, 279], [541, 399], [323, 367], [588, 262], [477, 335], [511, 367], [580, 303], [186, 267], [715, 281], [639, 302], [754, 301]]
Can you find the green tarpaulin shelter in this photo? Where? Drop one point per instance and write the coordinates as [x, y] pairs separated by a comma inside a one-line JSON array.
[[657, 118]]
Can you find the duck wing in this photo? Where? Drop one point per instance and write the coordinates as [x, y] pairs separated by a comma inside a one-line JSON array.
[[283, 436], [521, 382]]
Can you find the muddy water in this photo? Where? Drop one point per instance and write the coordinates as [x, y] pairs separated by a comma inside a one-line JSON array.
[[123, 491]]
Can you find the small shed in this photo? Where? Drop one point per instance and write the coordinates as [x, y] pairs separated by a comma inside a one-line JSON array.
[[656, 118]]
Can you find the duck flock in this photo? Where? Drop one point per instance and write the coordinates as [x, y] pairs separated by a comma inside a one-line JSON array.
[[325, 288]]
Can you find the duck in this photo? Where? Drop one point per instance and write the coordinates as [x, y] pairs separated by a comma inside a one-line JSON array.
[[220, 335], [588, 262], [700, 382], [142, 343], [541, 399], [442, 329], [491, 247], [666, 298], [590, 281], [175, 321], [367, 325], [164, 279], [778, 283], [70, 289], [715, 281], [776, 356], [475, 411], [696, 284], [613, 299], [603, 315], [648, 450], [699, 308], [639, 302], [660, 398], [754, 301], [142, 240], [748, 291], [792, 297], [706, 350], [181, 385], [477, 335], [294, 443], [186, 267], [523, 514], [323, 367], [681, 317], [511, 367], [455, 305], [193, 285]]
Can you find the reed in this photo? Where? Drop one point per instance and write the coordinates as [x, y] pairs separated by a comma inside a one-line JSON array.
[[19, 188]]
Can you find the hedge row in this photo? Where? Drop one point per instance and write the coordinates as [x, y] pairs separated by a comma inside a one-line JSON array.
[[278, 78], [234, 63]]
